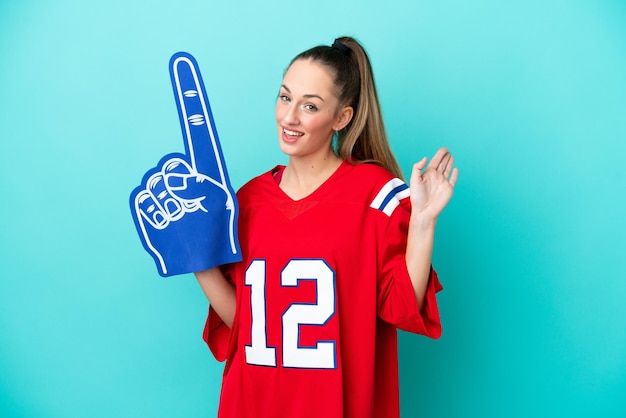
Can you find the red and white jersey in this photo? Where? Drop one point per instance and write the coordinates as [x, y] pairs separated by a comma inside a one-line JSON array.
[[322, 287]]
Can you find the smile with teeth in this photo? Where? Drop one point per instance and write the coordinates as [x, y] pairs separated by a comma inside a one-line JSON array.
[[292, 133]]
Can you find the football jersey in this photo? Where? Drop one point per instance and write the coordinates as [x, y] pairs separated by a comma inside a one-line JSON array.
[[322, 287]]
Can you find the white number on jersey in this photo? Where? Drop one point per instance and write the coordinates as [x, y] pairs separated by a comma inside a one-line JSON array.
[[322, 356]]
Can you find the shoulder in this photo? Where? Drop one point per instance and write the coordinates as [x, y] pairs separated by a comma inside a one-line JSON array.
[[382, 190], [259, 184], [370, 175]]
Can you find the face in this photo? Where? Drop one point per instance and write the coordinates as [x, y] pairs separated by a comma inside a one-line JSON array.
[[308, 111]]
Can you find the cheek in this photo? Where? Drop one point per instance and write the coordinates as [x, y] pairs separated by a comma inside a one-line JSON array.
[[282, 110], [320, 123], [278, 112]]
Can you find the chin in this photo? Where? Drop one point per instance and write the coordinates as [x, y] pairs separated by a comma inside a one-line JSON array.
[[286, 148]]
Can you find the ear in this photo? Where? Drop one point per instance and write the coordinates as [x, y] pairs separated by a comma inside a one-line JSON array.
[[343, 118]]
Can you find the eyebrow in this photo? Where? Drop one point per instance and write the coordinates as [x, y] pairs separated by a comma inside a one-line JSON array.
[[308, 96]]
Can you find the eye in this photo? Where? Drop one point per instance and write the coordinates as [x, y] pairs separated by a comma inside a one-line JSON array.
[[310, 107], [284, 98]]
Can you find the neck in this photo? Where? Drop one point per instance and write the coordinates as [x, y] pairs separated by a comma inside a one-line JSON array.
[[303, 176]]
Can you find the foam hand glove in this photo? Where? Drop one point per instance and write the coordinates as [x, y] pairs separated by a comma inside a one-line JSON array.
[[185, 209]]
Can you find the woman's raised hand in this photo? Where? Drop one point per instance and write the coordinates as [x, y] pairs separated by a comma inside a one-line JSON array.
[[431, 189]]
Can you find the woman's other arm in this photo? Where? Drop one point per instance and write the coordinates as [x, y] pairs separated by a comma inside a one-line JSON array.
[[219, 292], [430, 193]]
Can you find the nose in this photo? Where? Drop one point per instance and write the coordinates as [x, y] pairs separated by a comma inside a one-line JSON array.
[[290, 116]]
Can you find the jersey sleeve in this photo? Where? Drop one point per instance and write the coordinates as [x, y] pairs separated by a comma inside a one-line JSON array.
[[216, 333], [396, 301]]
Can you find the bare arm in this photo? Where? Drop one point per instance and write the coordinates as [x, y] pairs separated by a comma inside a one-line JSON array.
[[219, 292], [419, 251], [430, 193]]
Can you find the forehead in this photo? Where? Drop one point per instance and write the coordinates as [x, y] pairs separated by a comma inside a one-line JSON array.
[[305, 76]]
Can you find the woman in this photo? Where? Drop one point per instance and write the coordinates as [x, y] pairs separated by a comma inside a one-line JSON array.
[[336, 255]]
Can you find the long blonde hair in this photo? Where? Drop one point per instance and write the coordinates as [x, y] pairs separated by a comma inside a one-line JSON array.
[[364, 139]]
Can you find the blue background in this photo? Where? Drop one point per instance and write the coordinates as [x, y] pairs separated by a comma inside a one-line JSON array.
[[529, 95]]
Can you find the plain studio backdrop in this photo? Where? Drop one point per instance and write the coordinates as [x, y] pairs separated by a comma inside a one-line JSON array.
[[529, 95]]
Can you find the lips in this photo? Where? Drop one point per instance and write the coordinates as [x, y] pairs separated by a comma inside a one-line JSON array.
[[291, 136]]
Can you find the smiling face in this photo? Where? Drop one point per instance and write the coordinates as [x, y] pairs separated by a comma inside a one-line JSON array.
[[308, 111]]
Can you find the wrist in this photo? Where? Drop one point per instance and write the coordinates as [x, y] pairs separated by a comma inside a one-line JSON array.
[[420, 221]]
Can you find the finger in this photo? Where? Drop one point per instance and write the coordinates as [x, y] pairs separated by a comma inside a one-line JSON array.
[[454, 177], [176, 173], [438, 157], [196, 120], [448, 167], [419, 166], [148, 209], [169, 206], [145, 214], [416, 174], [443, 163]]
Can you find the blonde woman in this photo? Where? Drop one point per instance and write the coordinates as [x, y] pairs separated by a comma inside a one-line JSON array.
[[336, 254]]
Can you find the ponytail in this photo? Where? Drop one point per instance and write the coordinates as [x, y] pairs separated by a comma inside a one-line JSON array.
[[364, 139]]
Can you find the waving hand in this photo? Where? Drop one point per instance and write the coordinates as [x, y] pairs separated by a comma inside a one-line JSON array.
[[432, 189]]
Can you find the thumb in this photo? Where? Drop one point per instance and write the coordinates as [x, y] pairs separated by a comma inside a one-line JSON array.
[[416, 174], [191, 187], [420, 164]]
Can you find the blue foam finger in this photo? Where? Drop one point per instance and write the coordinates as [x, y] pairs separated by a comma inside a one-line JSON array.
[[196, 119], [185, 210]]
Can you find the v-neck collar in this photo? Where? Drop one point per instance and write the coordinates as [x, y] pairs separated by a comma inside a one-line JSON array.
[[338, 172]]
